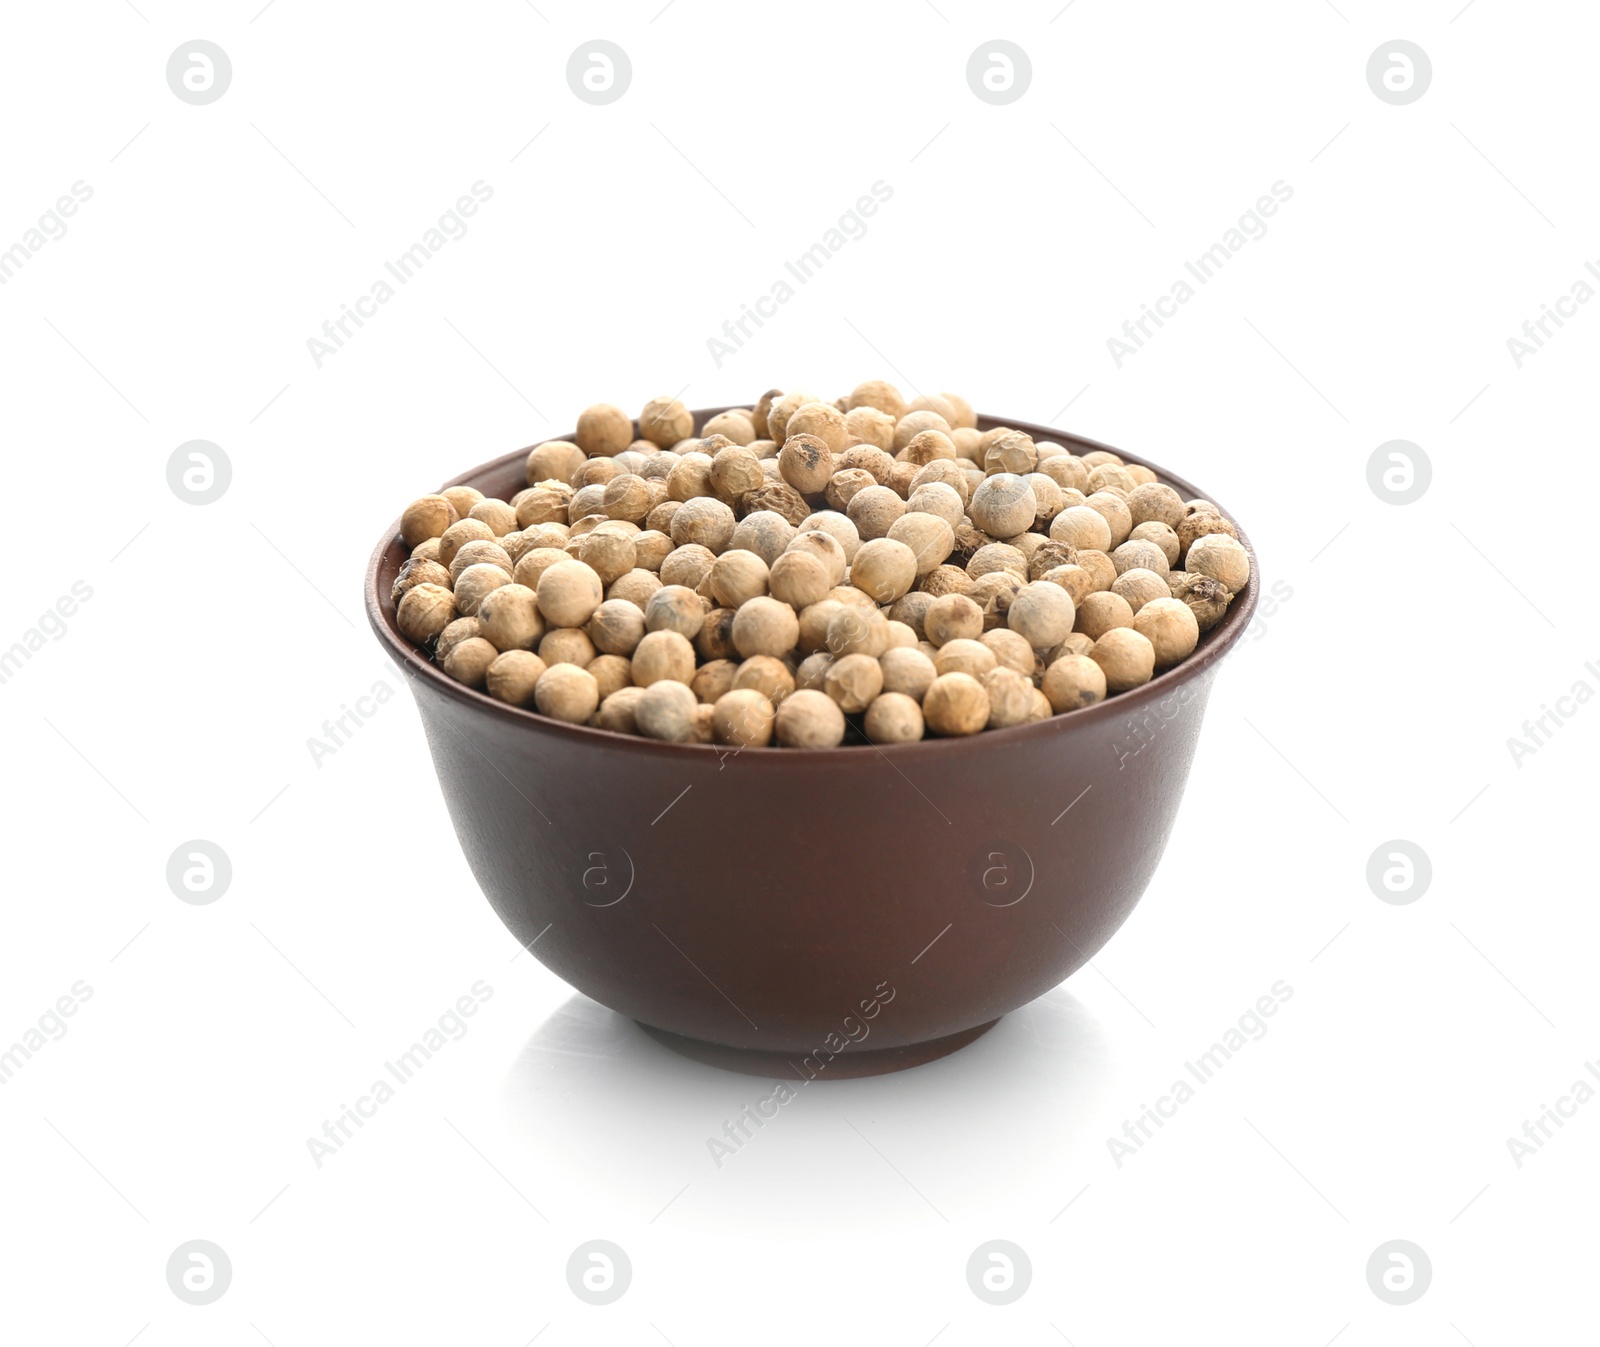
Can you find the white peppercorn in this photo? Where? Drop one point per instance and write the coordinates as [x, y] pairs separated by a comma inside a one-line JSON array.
[[857, 631], [765, 626], [873, 509], [713, 678], [930, 538], [766, 674], [1067, 471], [879, 394], [1114, 510], [736, 423], [764, 532], [1126, 657], [884, 568], [459, 534], [1073, 682], [809, 719], [1170, 628], [734, 471], [825, 548], [462, 498], [1009, 451], [964, 656], [567, 692], [946, 579], [610, 673], [547, 503], [1010, 698], [928, 446], [1101, 568], [1074, 579], [454, 633], [853, 681], [798, 579], [662, 655], [666, 711], [509, 618], [616, 627], [743, 718], [1111, 477], [1042, 614], [418, 571], [1199, 524], [1082, 527], [952, 617], [907, 670], [992, 557], [814, 621], [616, 712], [1139, 586], [993, 593], [1003, 505], [811, 672], [568, 593], [956, 704], [910, 610], [1206, 598], [1162, 535], [687, 566], [1102, 611], [714, 640], [665, 421], [1221, 557], [426, 517], [737, 576], [474, 583], [567, 645], [1137, 554], [1010, 650], [912, 424], [553, 461], [513, 675], [938, 500], [690, 478], [893, 718], [480, 551], [1158, 502], [607, 554]]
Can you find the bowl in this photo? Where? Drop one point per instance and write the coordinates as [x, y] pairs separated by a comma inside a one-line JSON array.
[[824, 913]]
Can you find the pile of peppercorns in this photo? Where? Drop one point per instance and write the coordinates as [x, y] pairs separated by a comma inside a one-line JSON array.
[[807, 572]]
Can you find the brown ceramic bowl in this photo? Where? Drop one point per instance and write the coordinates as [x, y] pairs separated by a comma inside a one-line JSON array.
[[814, 913]]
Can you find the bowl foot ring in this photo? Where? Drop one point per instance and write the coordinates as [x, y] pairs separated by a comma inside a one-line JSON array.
[[791, 1065]]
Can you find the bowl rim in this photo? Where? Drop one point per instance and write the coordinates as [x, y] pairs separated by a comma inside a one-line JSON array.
[[1214, 644]]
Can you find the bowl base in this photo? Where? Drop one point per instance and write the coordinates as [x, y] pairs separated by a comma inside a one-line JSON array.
[[786, 1065]]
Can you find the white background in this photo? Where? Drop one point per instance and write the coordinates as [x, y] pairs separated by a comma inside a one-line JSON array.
[[1374, 703]]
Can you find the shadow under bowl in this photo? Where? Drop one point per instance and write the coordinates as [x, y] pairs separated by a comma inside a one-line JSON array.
[[820, 913]]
